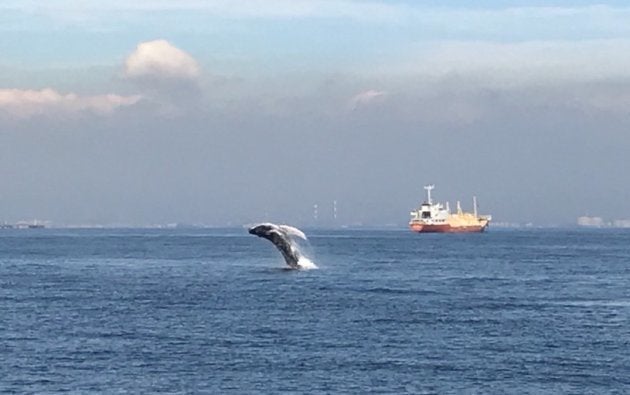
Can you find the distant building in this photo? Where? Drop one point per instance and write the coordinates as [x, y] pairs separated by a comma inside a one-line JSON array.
[[596, 222], [621, 223], [35, 224]]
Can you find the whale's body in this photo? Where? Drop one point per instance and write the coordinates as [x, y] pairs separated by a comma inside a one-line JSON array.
[[281, 236]]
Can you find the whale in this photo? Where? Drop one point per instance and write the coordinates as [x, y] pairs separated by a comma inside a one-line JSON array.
[[282, 236]]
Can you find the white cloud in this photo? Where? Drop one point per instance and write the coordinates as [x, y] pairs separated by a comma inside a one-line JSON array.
[[509, 65], [160, 59], [27, 103], [365, 98]]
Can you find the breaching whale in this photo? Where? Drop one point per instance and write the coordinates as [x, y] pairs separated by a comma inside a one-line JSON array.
[[281, 236]]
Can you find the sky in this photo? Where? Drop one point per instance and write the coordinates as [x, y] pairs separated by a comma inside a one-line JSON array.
[[225, 113]]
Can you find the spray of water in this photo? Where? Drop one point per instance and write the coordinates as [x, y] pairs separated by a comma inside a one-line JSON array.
[[306, 264], [300, 244]]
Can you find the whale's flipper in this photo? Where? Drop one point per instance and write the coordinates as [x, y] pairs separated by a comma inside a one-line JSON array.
[[291, 231], [280, 236]]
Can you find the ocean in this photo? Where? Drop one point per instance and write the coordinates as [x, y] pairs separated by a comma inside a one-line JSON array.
[[135, 311]]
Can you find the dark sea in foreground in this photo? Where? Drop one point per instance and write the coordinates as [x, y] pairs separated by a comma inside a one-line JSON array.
[[214, 311]]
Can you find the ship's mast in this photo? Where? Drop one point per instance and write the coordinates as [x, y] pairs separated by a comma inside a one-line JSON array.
[[429, 188], [475, 206]]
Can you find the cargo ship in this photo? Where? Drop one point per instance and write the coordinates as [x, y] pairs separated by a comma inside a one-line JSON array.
[[433, 217]]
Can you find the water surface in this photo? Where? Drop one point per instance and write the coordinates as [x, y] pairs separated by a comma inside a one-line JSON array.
[[214, 311]]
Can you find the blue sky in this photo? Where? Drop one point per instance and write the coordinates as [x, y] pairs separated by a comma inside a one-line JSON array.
[[344, 33], [161, 111]]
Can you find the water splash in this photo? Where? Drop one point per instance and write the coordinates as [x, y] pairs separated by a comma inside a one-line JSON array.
[[306, 264], [302, 247]]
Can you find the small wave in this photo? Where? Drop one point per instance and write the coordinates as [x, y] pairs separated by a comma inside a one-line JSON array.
[[386, 290], [594, 303]]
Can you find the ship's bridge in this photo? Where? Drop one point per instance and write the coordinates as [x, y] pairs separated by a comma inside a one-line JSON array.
[[430, 213]]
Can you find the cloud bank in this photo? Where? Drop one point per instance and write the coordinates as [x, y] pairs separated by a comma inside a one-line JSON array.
[[520, 63], [483, 116], [161, 72], [24, 103]]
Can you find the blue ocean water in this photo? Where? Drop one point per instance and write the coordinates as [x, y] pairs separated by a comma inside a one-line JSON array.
[[214, 311]]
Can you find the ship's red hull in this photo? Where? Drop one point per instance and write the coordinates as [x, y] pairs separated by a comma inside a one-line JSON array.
[[445, 228]]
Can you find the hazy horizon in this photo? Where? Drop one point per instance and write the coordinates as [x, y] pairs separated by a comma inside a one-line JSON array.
[[151, 112]]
